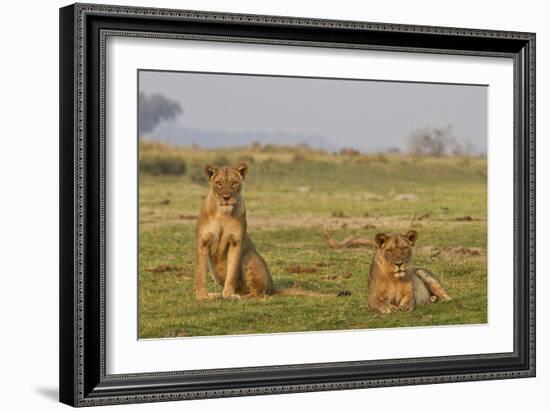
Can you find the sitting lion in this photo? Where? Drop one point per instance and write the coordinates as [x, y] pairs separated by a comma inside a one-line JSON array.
[[224, 247], [393, 284]]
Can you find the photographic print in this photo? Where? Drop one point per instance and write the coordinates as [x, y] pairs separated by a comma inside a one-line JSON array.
[[273, 204], [321, 190]]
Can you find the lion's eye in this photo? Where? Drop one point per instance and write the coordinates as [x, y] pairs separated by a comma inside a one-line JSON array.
[[234, 185], [218, 184]]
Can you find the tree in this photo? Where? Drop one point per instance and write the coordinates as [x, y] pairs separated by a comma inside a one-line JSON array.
[[437, 141], [154, 109]]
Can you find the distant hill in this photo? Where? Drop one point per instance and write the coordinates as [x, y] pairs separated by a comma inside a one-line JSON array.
[[183, 136]]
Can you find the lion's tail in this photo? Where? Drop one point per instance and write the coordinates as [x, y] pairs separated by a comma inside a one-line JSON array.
[[291, 292]]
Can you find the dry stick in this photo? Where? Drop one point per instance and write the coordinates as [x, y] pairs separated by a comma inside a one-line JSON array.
[[412, 220], [352, 241]]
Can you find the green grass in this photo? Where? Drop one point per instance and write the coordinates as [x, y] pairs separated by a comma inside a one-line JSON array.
[[289, 199]]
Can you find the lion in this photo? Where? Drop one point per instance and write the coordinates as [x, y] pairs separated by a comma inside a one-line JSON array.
[[393, 283], [224, 247]]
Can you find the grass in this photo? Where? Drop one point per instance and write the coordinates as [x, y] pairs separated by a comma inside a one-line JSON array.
[[291, 194]]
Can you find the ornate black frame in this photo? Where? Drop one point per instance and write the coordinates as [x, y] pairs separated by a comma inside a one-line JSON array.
[[83, 30]]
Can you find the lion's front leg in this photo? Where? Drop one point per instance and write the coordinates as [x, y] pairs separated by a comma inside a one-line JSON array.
[[233, 270], [407, 301], [203, 244], [381, 305]]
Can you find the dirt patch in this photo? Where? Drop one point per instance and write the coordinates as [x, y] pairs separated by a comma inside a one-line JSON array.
[[339, 214], [298, 269], [450, 251], [165, 202], [406, 197], [368, 197], [163, 268], [187, 217], [332, 277], [467, 218]]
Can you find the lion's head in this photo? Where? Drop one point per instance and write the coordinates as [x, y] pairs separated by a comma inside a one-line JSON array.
[[226, 182], [395, 251]]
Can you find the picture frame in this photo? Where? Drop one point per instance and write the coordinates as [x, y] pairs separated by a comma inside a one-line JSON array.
[[84, 29]]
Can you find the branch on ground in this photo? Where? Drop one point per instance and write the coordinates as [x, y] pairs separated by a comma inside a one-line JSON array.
[[350, 242]]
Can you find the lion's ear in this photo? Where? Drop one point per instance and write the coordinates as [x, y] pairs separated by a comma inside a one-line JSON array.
[[210, 171], [242, 169], [380, 239], [412, 236]]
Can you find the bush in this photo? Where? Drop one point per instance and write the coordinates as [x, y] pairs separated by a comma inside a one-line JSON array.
[[351, 152], [198, 176], [434, 141], [245, 158], [464, 162], [162, 165], [221, 161], [363, 159]]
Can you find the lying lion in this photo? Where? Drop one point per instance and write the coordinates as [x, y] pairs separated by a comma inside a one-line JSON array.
[[224, 247], [393, 284]]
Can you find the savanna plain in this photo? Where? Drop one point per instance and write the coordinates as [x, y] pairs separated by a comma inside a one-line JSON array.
[[302, 204]]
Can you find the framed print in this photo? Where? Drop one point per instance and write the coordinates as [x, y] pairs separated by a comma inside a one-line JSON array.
[[388, 232]]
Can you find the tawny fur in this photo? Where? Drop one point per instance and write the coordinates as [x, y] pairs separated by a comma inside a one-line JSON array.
[[224, 247], [393, 283]]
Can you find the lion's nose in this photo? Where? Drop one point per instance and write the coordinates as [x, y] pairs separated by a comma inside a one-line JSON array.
[[399, 265], [226, 197]]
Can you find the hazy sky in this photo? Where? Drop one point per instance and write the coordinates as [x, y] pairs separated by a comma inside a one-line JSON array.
[[367, 115]]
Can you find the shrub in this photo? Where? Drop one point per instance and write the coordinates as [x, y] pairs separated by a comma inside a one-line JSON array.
[[245, 158], [464, 162], [198, 176], [269, 148], [165, 165], [351, 152], [220, 161], [438, 141], [363, 159]]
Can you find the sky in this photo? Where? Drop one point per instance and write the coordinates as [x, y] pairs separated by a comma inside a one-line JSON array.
[[371, 116]]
